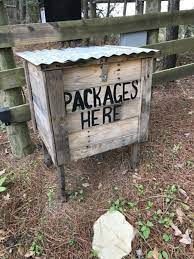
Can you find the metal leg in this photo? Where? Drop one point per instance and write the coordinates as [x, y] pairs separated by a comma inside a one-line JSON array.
[[135, 148], [47, 158], [61, 180]]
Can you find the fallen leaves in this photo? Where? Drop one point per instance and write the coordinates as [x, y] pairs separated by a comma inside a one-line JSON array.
[[186, 239], [177, 231], [180, 215], [2, 172]]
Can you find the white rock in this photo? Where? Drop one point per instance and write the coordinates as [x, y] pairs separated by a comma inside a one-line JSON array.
[[112, 236]]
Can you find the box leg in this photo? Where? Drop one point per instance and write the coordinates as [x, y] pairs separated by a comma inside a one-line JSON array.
[[134, 160], [47, 158], [61, 180]]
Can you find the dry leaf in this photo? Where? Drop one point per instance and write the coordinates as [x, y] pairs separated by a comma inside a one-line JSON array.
[[6, 197], [183, 192], [177, 231], [29, 254], [99, 186], [85, 185], [2, 172], [180, 215], [186, 238], [155, 253], [3, 235]]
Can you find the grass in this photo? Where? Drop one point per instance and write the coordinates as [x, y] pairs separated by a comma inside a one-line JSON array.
[[33, 220]]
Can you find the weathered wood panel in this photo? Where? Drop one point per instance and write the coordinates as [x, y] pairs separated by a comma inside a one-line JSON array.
[[146, 80], [12, 78], [71, 30], [103, 146], [125, 111], [173, 46], [42, 109], [91, 76], [171, 74], [103, 134], [55, 89]]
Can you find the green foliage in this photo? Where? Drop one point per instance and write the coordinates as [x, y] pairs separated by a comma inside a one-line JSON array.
[[176, 148], [166, 220], [94, 254], [50, 195], [2, 183], [190, 163], [140, 189], [145, 229], [149, 205], [167, 237], [170, 192], [37, 245], [77, 195], [72, 242], [161, 255], [118, 205], [131, 205]]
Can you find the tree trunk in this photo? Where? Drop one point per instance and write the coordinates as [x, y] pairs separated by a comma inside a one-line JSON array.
[[18, 133], [139, 7], [153, 6], [172, 33], [92, 9], [85, 8], [125, 8]]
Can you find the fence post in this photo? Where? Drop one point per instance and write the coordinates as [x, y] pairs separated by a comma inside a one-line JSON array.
[[18, 133], [153, 6]]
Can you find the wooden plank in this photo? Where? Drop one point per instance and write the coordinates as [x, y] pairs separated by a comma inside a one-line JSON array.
[[20, 113], [173, 46], [71, 30], [147, 68], [102, 134], [129, 90], [12, 78], [173, 74], [125, 110], [30, 99], [103, 147], [41, 109], [55, 89], [83, 77]]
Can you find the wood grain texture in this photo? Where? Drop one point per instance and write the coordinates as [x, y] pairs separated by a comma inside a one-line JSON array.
[[90, 76], [42, 109], [12, 78], [30, 98], [103, 147], [127, 110], [102, 134], [146, 80], [55, 89], [29, 34]]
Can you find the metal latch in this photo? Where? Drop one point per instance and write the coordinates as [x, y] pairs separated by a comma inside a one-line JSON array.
[[104, 74], [5, 115]]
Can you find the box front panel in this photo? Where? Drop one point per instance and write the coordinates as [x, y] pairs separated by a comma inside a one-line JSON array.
[[102, 115]]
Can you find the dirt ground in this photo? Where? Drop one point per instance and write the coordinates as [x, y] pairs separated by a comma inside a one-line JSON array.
[[161, 191]]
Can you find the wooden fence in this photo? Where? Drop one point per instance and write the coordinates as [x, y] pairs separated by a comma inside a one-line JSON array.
[[18, 35]]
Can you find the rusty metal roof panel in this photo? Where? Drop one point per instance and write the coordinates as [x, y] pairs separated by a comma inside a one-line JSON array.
[[48, 57]]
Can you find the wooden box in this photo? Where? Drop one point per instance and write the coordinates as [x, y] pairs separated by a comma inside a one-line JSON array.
[[89, 100]]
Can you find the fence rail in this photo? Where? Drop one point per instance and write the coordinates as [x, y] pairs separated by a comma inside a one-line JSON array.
[[27, 34]]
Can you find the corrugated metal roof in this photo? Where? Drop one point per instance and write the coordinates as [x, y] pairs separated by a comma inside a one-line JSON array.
[[47, 57]]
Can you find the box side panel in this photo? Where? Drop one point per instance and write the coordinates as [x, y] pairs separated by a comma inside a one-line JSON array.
[[102, 115], [82, 77], [41, 108]]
